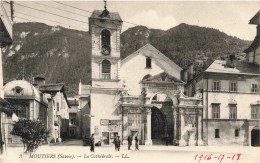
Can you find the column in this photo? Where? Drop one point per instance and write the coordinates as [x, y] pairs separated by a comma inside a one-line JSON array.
[[200, 141], [148, 141], [182, 140], [175, 126]]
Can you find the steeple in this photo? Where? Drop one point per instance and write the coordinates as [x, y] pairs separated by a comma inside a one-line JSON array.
[[105, 12]]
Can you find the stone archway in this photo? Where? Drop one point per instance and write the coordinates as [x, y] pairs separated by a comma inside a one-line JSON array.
[[255, 137], [161, 119], [158, 122]]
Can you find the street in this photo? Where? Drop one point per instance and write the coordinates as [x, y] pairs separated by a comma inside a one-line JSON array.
[[73, 151]]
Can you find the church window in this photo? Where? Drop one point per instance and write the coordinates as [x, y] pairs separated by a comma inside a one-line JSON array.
[[106, 69], [105, 38], [148, 62]]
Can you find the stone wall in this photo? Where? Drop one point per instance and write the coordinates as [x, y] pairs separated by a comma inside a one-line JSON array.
[[227, 132]]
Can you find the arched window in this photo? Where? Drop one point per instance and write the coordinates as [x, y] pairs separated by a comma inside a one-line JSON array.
[[106, 69], [105, 38]]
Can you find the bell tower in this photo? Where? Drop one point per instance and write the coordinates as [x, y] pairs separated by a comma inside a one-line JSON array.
[[105, 28]]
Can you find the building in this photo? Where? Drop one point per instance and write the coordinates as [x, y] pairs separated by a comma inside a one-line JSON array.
[[6, 36], [59, 105], [253, 51], [84, 110], [141, 95], [26, 102], [74, 130], [231, 102]]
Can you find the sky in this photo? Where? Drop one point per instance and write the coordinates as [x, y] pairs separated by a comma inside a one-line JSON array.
[[231, 17]]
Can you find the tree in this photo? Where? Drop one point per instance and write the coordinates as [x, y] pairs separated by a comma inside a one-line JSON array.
[[32, 133]]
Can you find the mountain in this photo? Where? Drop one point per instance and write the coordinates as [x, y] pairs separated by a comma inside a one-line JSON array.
[[63, 55]]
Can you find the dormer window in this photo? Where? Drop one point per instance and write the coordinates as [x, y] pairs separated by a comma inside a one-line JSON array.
[[148, 62]]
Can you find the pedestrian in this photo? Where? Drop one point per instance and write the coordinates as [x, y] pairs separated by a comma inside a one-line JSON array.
[[167, 140], [118, 143], [129, 139], [115, 142], [136, 142], [92, 143]]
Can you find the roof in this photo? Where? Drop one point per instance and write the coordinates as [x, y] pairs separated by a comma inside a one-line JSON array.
[[255, 19], [219, 66], [22, 89], [57, 87], [148, 50], [255, 44], [96, 14]]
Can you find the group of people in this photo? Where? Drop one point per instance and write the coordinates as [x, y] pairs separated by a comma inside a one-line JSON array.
[[130, 139], [117, 142]]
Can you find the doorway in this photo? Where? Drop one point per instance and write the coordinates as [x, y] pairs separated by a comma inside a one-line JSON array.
[[255, 137], [105, 138]]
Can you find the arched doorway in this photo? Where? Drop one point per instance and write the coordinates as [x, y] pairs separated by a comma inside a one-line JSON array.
[[255, 137], [161, 119], [158, 124]]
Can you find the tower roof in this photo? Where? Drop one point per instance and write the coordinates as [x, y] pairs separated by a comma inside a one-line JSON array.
[[105, 14], [255, 19]]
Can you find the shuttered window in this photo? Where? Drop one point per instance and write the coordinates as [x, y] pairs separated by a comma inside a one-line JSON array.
[[215, 111], [232, 111], [106, 69]]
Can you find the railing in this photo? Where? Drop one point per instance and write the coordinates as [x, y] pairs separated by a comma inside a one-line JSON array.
[[6, 20], [106, 76]]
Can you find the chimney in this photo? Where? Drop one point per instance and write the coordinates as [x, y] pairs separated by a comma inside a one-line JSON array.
[[231, 61], [38, 80]]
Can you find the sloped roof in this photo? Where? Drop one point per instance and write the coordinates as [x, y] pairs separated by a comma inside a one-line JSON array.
[[255, 19], [112, 15], [161, 60], [240, 68], [255, 44], [51, 87]]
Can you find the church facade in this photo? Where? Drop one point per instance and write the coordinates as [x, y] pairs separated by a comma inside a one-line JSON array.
[[141, 95]]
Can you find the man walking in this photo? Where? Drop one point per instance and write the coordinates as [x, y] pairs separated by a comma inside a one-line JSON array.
[[136, 142], [129, 139], [92, 143], [115, 142], [118, 143]]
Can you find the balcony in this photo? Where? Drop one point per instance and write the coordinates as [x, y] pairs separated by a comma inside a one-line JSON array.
[[6, 28]]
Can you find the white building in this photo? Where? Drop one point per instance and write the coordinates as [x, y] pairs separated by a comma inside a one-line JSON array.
[[138, 96], [231, 102]]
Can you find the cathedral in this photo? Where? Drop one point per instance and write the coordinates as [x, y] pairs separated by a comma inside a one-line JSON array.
[[141, 95]]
